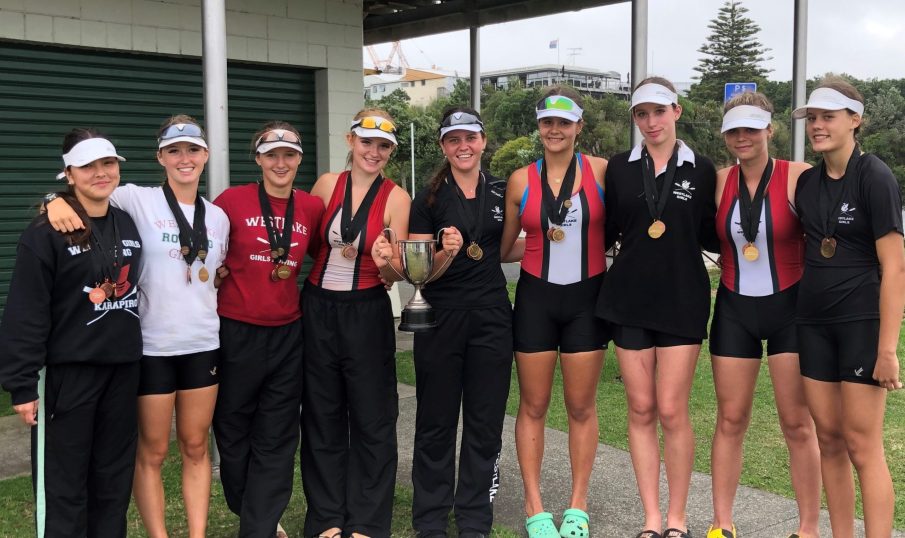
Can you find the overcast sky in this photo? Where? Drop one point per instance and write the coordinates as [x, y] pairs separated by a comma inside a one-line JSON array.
[[865, 39]]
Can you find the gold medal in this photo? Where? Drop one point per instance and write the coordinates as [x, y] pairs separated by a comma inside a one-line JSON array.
[[556, 234], [203, 275], [567, 204], [474, 251], [274, 254], [828, 247], [656, 229], [281, 252], [750, 252], [283, 271], [107, 288], [349, 252], [96, 295], [185, 250]]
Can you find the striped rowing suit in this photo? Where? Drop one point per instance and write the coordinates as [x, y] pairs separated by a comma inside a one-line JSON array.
[[780, 239], [331, 270], [581, 254]]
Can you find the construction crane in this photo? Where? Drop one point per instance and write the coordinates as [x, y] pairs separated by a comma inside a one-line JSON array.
[[386, 66]]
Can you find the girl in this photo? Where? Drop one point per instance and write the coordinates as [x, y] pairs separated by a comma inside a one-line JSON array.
[[185, 236], [256, 419], [70, 345], [349, 399], [762, 250], [660, 206], [849, 305], [558, 201], [466, 362]]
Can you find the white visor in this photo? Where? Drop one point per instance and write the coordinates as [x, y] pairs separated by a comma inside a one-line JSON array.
[[198, 141], [828, 99], [559, 106], [654, 93], [264, 147], [374, 133], [473, 127], [88, 151], [749, 116]]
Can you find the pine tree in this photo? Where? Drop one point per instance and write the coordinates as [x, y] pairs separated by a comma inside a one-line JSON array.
[[732, 53]]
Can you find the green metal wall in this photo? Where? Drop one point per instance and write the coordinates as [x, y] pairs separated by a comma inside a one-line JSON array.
[[46, 91]]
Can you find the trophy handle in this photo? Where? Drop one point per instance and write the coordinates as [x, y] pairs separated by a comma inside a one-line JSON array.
[[446, 262], [390, 234]]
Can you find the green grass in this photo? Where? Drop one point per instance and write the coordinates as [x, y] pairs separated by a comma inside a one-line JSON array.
[[17, 509], [766, 461], [6, 405]]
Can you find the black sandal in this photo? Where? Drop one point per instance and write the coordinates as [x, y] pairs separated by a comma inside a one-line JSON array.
[[647, 533], [676, 533]]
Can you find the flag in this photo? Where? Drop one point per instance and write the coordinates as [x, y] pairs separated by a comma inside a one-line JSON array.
[[554, 44]]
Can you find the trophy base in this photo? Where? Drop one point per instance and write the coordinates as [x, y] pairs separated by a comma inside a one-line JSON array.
[[416, 321]]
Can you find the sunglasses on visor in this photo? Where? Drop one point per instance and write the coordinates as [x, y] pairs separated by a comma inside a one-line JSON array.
[[181, 129], [373, 122], [557, 102], [278, 135], [461, 118]]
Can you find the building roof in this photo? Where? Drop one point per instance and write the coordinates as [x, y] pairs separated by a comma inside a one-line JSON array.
[[551, 67]]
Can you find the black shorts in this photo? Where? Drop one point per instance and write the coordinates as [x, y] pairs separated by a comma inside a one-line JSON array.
[[550, 316], [741, 323], [638, 338], [166, 375], [835, 352]]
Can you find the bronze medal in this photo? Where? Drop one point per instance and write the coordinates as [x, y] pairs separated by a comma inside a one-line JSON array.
[[283, 271], [185, 250], [107, 288], [474, 251], [274, 254], [96, 295], [349, 252], [567, 203], [556, 234], [202, 254], [828, 247], [203, 275], [750, 252], [281, 252], [656, 229]]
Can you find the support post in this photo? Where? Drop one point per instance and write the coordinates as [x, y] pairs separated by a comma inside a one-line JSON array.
[[799, 75], [216, 115], [639, 53], [474, 51]]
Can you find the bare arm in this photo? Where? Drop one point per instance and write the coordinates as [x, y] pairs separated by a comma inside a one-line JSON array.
[[891, 253], [512, 225], [62, 217], [795, 170], [396, 217]]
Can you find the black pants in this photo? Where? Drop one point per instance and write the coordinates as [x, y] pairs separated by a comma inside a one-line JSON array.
[[466, 361], [91, 418], [349, 411], [256, 421]]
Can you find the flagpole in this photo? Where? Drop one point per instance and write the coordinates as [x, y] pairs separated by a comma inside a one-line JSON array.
[[557, 51]]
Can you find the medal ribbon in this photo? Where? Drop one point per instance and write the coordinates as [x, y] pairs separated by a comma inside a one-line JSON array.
[[830, 215], [556, 208], [655, 203], [474, 224], [282, 239], [749, 210], [350, 227], [106, 250], [194, 236]]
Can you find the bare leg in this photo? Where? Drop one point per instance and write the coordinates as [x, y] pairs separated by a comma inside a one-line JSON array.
[[581, 372], [535, 376], [194, 410], [155, 416]]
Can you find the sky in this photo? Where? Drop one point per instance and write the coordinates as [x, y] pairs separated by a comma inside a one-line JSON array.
[[867, 41]]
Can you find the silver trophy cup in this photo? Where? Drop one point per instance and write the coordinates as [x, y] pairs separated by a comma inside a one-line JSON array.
[[417, 257]]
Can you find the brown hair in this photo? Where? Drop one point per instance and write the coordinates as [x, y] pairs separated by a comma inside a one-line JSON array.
[[844, 87], [442, 172], [749, 98], [272, 126], [73, 137], [363, 113]]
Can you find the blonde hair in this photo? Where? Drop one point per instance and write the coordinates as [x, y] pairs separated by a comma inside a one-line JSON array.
[[749, 98], [179, 118], [363, 113]]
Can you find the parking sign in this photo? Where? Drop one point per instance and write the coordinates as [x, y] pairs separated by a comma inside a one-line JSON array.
[[734, 88]]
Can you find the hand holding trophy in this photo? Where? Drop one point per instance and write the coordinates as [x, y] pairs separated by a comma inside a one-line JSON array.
[[417, 256]]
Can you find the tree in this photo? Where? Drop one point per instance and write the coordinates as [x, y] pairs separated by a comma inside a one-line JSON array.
[[513, 155], [732, 53]]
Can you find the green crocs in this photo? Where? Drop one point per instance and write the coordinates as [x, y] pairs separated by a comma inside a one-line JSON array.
[[541, 526], [574, 524]]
